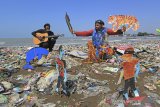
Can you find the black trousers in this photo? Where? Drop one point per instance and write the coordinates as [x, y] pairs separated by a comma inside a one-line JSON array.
[[49, 44], [61, 82], [129, 83]]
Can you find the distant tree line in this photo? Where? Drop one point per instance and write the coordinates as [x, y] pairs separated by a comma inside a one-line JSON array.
[[144, 34]]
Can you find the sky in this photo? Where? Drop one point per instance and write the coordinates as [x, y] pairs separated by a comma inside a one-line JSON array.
[[18, 18]]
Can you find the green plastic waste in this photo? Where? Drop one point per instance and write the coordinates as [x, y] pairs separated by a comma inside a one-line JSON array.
[[3, 99]]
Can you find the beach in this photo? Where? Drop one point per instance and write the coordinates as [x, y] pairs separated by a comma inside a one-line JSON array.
[[11, 42], [96, 85]]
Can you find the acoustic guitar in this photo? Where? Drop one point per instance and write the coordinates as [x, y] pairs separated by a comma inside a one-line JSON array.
[[44, 37]]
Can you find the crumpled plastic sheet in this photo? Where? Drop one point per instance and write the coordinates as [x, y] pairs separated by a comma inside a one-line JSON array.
[[49, 105], [71, 62], [94, 91], [155, 97], [3, 99], [90, 87], [45, 82]]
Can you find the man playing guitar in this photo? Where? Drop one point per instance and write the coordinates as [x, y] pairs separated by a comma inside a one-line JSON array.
[[50, 41]]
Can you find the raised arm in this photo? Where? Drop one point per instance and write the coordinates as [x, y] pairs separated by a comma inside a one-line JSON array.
[[84, 33]]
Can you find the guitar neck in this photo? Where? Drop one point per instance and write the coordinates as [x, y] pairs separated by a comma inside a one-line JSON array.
[[52, 36]]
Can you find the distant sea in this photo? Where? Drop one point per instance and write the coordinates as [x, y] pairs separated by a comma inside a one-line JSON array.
[[12, 42]]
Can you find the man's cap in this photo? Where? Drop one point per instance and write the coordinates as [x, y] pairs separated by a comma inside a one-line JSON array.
[[100, 22]]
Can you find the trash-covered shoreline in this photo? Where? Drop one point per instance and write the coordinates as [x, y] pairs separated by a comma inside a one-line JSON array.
[[95, 85]]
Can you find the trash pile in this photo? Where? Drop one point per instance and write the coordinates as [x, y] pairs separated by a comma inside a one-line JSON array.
[[11, 60], [89, 84]]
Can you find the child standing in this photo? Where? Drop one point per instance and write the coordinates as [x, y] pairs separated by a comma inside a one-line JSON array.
[[129, 63]]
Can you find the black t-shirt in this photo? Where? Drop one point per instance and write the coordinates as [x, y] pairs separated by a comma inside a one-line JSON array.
[[50, 33]]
